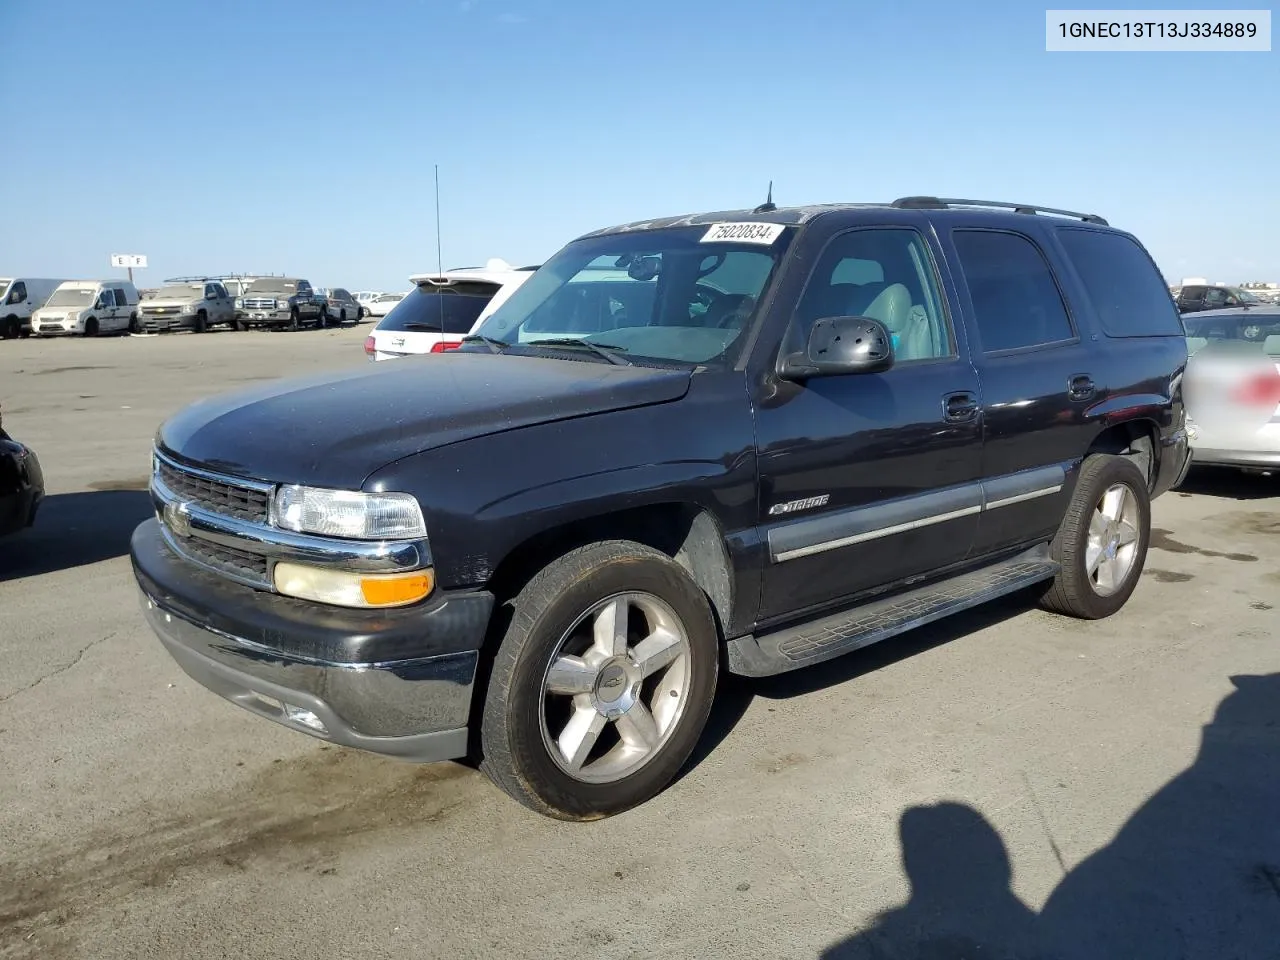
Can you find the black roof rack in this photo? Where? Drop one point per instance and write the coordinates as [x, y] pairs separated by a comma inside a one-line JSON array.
[[943, 203]]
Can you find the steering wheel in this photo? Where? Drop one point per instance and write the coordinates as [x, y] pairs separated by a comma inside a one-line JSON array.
[[736, 307]]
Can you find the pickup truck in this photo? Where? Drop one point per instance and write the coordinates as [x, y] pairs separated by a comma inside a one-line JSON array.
[[281, 302], [749, 441]]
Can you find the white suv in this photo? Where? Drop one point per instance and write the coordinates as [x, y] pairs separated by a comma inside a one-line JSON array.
[[443, 308]]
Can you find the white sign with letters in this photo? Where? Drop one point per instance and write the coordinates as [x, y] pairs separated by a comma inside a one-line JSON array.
[[763, 233], [128, 259]]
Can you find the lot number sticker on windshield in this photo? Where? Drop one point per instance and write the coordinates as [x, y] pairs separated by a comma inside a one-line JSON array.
[[764, 233]]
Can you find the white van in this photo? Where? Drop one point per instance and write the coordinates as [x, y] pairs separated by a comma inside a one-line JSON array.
[[19, 298], [88, 308]]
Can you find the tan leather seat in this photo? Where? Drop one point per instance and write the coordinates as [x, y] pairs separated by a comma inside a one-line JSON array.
[[913, 339]]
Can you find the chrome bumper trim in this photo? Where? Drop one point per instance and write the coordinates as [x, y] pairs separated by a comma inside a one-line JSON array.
[[413, 709]]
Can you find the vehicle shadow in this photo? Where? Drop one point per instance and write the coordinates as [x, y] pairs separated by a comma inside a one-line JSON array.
[[737, 693], [1195, 872], [74, 529], [1228, 484]]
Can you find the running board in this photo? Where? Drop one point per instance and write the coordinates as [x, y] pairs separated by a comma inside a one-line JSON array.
[[817, 640]]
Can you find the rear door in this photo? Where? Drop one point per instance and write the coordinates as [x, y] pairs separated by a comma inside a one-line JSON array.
[[1040, 376], [869, 479]]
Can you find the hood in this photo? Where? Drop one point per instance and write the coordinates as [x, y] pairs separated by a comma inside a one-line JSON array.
[[333, 430], [168, 303]]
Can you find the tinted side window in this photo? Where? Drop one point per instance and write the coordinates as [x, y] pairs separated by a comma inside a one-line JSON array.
[[1190, 294], [885, 274], [1127, 292], [1215, 297], [220, 290], [18, 293], [1016, 302]]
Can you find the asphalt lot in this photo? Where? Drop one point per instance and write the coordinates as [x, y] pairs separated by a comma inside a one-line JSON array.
[[141, 816]]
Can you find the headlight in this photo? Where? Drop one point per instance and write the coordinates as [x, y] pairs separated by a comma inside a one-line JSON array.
[[188, 308], [239, 304], [347, 589], [348, 513]]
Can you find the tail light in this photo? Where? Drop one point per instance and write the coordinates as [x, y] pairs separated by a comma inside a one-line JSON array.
[[1260, 390], [441, 346], [370, 347]]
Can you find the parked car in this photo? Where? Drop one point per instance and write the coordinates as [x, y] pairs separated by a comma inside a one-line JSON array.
[[442, 309], [365, 297], [281, 302], [20, 297], [1210, 297], [1233, 388], [88, 308], [340, 306], [187, 304], [21, 484], [794, 432], [382, 304]]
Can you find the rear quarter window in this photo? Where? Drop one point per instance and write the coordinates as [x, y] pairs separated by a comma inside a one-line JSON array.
[[1126, 291]]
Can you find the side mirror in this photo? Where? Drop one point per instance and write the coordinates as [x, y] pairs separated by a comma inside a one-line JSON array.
[[838, 346]]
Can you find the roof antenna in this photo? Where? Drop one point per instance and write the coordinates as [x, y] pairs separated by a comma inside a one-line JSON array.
[[768, 206]]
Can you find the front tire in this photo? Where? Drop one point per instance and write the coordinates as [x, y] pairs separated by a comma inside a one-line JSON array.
[[1102, 543], [603, 683], [91, 327], [133, 323], [202, 323], [12, 328], [295, 322]]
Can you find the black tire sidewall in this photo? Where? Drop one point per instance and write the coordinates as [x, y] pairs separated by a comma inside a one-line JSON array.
[[1097, 476], [295, 322], [91, 327], [517, 703]]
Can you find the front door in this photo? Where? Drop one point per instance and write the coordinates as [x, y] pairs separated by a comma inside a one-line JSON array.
[[869, 479]]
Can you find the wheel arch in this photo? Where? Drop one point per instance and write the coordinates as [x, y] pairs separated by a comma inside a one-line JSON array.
[[1137, 440], [685, 531]]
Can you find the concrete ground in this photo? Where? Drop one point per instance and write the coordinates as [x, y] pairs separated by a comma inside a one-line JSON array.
[[923, 798]]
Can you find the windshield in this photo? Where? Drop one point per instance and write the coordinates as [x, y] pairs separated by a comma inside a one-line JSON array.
[[273, 285], [452, 309], [72, 297], [178, 292], [4, 288], [680, 294], [1246, 334], [1244, 296]]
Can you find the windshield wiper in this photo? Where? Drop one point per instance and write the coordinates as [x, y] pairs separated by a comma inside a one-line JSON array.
[[493, 343], [609, 351]]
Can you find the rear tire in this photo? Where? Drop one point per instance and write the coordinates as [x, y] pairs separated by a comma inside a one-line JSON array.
[[1102, 543], [642, 695]]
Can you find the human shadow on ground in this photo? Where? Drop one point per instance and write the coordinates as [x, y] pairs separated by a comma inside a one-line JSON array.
[[1194, 873], [74, 529]]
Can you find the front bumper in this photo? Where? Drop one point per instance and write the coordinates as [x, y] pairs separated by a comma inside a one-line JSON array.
[[155, 323], [395, 682]]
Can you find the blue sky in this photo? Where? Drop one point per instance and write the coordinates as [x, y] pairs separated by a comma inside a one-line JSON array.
[[299, 136]]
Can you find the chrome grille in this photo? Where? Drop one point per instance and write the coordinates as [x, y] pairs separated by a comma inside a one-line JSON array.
[[237, 564], [243, 503], [259, 303]]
